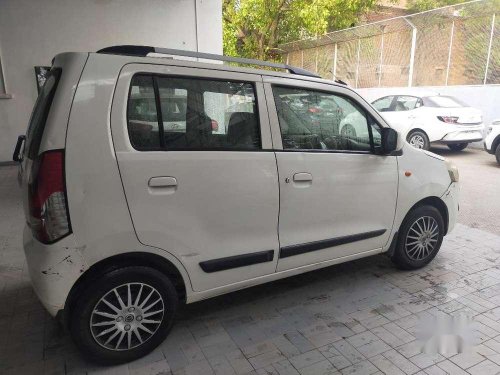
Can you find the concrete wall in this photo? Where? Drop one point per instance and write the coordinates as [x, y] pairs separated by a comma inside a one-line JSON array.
[[32, 32], [485, 98]]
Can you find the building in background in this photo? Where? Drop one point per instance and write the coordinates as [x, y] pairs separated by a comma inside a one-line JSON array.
[[33, 32]]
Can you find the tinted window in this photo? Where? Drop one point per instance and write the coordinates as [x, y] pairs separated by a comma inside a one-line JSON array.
[[321, 121], [383, 104], [142, 114], [200, 114], [40, 112], [406, 103]]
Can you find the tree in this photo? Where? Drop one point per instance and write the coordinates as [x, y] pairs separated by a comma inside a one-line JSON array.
[[423, 5], [255, 28]]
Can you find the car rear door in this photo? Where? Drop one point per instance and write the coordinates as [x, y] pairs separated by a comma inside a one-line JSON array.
[[207, 191], [337, 197]]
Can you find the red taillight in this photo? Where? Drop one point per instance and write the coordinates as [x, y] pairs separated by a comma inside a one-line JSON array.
[[47, 198], [448, 119], [215, 126]]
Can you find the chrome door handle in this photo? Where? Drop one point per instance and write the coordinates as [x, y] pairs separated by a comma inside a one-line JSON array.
[[162, 182], [302, 177]]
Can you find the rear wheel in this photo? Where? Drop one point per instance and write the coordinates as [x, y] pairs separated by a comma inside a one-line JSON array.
[[418, 139], [124, 314], [458, 146], [420, 238], [497, 154]]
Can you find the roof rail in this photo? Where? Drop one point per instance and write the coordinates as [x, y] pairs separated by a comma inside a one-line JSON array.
[[133, 50]]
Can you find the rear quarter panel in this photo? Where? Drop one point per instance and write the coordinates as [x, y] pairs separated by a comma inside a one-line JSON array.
[[100, 218]]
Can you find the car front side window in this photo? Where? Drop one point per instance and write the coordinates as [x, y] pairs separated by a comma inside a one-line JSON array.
[[314, 120]]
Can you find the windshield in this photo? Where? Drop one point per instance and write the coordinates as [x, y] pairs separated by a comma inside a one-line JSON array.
[[443, 102]]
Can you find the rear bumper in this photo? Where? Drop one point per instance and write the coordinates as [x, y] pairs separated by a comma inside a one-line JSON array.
[[451, 199], [462, 137], [53, 269], [463, 133]]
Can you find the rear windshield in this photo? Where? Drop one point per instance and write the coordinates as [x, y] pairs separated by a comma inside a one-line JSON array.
[[443, 102], [40, 113]]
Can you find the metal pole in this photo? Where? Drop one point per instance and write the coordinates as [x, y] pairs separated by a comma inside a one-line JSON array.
[[317, 53], [449, 52], [489, 49], [196, 25], [335, 63], [412, 52], [357, 63], [302, 59], [381, 60]]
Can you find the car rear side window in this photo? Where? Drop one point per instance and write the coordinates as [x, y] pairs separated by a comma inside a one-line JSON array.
[[143, 126], [194, 114], [40, 113]]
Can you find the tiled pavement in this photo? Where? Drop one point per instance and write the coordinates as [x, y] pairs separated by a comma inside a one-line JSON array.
[[357, 318]]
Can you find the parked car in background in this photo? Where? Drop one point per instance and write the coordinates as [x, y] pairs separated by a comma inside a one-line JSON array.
[[432, 118], [127, 216], [492, 139]]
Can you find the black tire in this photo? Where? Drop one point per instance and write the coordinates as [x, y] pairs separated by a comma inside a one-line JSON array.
[[497, 154], [348, 131], [457, 146], [405, 254], [135, 276], [418, 139]]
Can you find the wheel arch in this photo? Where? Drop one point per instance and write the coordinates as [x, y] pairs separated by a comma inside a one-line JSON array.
[[412, 130], [118, 261], [495, 144], [436, 203]]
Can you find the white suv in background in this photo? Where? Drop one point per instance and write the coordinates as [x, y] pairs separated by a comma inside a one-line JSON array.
[[128, 216], [432, 118], [492, 139]]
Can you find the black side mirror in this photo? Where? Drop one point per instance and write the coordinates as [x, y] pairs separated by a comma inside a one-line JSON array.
[[17, 151], [389, 140]]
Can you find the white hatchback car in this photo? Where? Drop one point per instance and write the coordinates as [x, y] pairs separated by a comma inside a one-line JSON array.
[[492, 139], [432, 118], [127, 217]]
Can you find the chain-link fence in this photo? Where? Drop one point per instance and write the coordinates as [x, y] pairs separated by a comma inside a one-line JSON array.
[[454, 45]]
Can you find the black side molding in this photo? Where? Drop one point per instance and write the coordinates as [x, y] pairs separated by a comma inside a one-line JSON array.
[[236, 261], [289, 251]]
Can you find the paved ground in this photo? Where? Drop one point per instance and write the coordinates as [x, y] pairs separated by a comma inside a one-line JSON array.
[[361, 317]]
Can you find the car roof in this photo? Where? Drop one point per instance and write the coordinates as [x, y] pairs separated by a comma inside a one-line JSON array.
[[416, 93], [163, 56]]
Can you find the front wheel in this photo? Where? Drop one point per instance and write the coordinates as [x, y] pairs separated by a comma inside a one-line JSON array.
[[124, 314], [457, 146], [420, 238], [497, 154], [418, 139]]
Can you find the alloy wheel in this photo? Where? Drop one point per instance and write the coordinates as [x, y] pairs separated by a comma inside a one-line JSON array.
[[417, 141], [422, 238], [127, 316]]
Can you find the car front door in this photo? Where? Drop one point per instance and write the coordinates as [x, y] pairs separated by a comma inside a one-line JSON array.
[[205, 191], [337, 196]]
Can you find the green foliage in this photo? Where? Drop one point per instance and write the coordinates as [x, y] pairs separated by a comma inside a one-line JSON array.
[[255, 28], [423, 5]]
